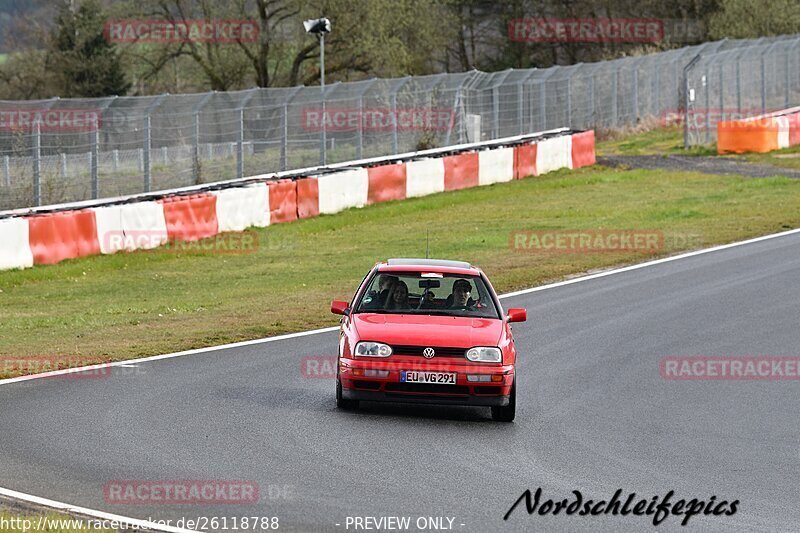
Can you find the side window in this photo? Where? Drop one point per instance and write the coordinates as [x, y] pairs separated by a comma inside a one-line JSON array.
[[362, 286]]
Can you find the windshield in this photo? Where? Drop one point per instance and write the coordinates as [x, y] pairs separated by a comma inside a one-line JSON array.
[[427, 294]]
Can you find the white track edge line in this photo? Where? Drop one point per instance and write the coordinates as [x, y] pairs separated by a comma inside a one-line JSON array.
[[143, 524], [167, 356], [650, 263], [90, 512]]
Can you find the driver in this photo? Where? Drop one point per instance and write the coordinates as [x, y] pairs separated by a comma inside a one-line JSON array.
[[380, 297]]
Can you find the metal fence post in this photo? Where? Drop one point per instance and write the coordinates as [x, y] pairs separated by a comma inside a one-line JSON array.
[[495, 113], [63, 160], [788, 71], [196, 110], [285, 128], [285, 137], [636, 93], [738, 86], [239, 147], [360, 140], [721, 90], [393, 99], [146, 153], [686, 99], [614, 89], [569, 102], [457, 105], [7, 170], [146, 163], [543, 103], [37, 163], [763, 83], [240, 134], [708, 104], [93, 164]]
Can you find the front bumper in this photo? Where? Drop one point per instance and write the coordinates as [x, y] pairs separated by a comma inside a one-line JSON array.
[[438, 399], [359, 381]]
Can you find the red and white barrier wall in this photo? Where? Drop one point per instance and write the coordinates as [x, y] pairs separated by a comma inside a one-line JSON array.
[[763, 133], [137, 224]]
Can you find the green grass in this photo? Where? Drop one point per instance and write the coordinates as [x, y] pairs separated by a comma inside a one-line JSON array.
[[50, 522], [3, 58], [659, 141], [663, 141], [786, 158], [135, 304]]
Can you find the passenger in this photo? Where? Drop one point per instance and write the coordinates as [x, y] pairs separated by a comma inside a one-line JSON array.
[[460, 299], [428, 300], [398, 297]]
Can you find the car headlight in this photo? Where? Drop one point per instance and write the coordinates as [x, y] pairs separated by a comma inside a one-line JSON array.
[[373, 349], [485, 354]]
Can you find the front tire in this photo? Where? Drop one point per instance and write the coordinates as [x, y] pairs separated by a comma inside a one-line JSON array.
[[508, 412], [341, 402]]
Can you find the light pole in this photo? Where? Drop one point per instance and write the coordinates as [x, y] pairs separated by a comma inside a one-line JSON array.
[[320, 27]]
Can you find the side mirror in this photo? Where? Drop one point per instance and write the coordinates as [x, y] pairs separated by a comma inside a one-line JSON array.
[[516, 314], [339, 307]]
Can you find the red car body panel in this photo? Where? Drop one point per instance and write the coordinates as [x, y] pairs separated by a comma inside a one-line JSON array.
[[379, 378]]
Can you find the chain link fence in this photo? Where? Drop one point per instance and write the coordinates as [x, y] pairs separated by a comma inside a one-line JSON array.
[[59, 150], [732, 83]]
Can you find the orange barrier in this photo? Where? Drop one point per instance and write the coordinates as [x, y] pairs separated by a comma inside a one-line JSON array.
[[307, 197], [461, 171], [282, 201], [60, 236], [583, 149], [190, 218], [386, 182], [740, 136], [524, 161]]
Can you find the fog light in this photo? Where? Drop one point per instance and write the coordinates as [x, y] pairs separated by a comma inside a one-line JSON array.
[[376, 373], [478, 377]]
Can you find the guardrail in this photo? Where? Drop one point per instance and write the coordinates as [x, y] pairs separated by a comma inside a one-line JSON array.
[[49, 235]]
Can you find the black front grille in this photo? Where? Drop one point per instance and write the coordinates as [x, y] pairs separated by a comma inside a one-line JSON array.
[[371, 385], [441, 351], [426, 387], [487, 390]]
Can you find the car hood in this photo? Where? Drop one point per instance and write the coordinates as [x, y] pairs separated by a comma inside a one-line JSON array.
[[428, 330]]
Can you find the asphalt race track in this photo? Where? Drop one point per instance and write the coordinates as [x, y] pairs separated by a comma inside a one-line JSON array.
[[594, 415]]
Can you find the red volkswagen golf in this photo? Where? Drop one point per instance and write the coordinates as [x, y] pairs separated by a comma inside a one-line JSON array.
[[429, 331]]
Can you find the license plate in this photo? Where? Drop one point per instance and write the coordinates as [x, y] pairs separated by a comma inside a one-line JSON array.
[[413, 376]]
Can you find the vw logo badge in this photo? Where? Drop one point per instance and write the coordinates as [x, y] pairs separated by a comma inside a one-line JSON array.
[[428, 353]]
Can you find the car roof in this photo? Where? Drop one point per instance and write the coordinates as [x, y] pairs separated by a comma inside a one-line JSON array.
[[429, 265]]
